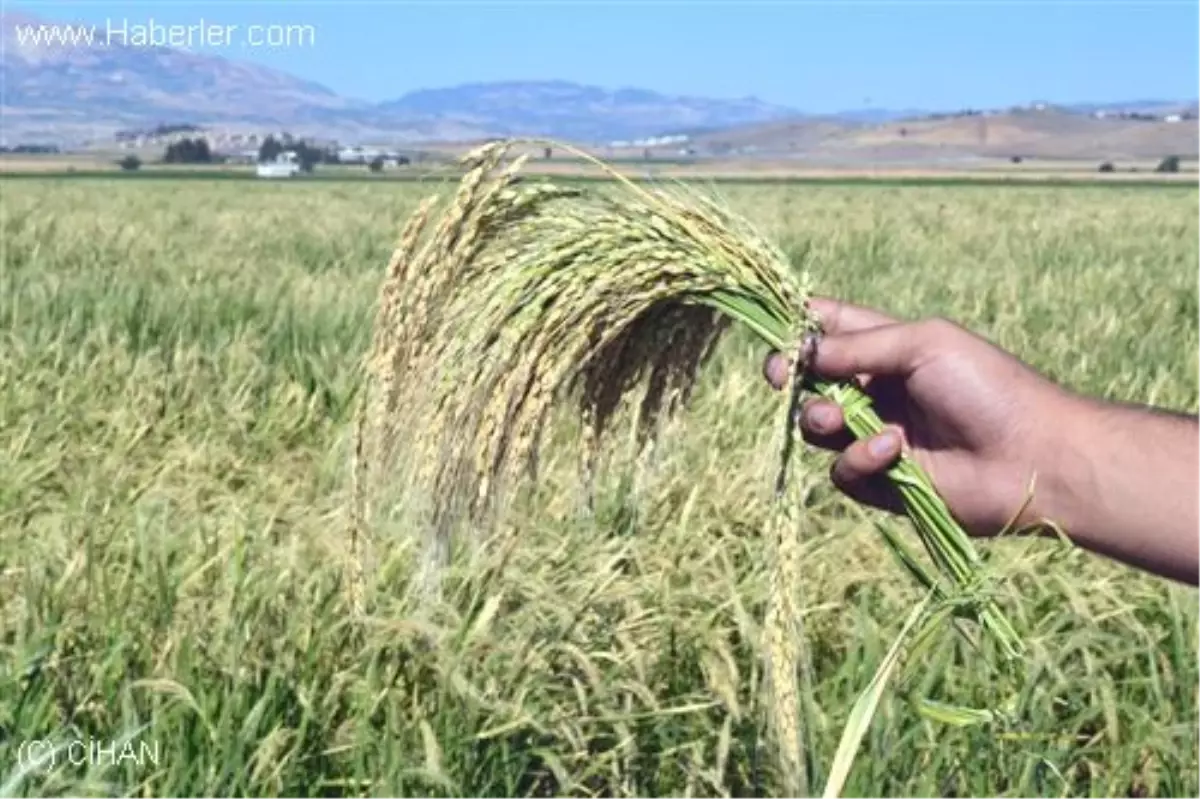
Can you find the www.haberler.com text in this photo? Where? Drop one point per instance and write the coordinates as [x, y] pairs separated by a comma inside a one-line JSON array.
[[201, 34]]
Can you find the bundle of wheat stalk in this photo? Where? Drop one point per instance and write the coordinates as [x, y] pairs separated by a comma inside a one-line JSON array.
[[525, 294]]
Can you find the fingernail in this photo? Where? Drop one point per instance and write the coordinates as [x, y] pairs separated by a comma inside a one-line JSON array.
[[823, 417], [884, 445], [775, 369]]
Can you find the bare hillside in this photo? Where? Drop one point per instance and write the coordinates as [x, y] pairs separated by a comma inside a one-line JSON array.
[[1050, 134]]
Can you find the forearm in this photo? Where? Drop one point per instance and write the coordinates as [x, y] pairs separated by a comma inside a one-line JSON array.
[[1125, 486]]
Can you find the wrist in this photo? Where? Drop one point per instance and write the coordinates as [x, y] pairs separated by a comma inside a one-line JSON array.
[[1120, 481], [1063, 464]]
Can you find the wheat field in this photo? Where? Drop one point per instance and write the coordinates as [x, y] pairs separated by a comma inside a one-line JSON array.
[[179, 372]]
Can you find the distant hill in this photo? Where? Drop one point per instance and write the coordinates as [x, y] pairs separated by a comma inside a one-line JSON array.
[[57, 91], [1051, 134], [68, 94], [582, 113]]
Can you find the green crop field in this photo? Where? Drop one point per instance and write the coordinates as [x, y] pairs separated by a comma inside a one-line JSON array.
[[179, 371]]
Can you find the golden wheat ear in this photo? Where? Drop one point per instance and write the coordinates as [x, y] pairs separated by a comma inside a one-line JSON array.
[[527, 296]]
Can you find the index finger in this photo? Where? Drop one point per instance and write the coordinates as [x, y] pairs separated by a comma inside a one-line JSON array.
[[835, 317], [843, 317]]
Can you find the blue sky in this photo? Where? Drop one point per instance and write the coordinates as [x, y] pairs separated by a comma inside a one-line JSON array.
[[813, 56]]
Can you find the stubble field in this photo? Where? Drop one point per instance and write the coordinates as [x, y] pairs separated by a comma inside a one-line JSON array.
[[178, 376]]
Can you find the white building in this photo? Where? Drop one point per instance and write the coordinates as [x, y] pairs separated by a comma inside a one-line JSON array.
[[285, 165], [356, 155], [365, 155], [651, 141]]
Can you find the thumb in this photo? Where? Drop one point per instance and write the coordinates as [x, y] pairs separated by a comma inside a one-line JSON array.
[[892, 350]]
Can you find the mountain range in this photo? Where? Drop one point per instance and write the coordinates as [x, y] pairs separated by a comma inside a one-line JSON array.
[[75, 93], [57, 90]]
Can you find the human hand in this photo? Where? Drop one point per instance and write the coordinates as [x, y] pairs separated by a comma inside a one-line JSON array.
[[979, 421]]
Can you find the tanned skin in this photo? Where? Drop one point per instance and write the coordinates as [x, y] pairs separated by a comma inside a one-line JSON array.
[[1119, 480]]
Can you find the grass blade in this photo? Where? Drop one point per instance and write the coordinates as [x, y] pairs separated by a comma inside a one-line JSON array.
[[864, 709]]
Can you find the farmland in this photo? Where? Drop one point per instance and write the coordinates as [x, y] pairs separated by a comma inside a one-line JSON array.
[[178, 378]]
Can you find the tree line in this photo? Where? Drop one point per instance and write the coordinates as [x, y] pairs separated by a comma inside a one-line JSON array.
[[197, 151]]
